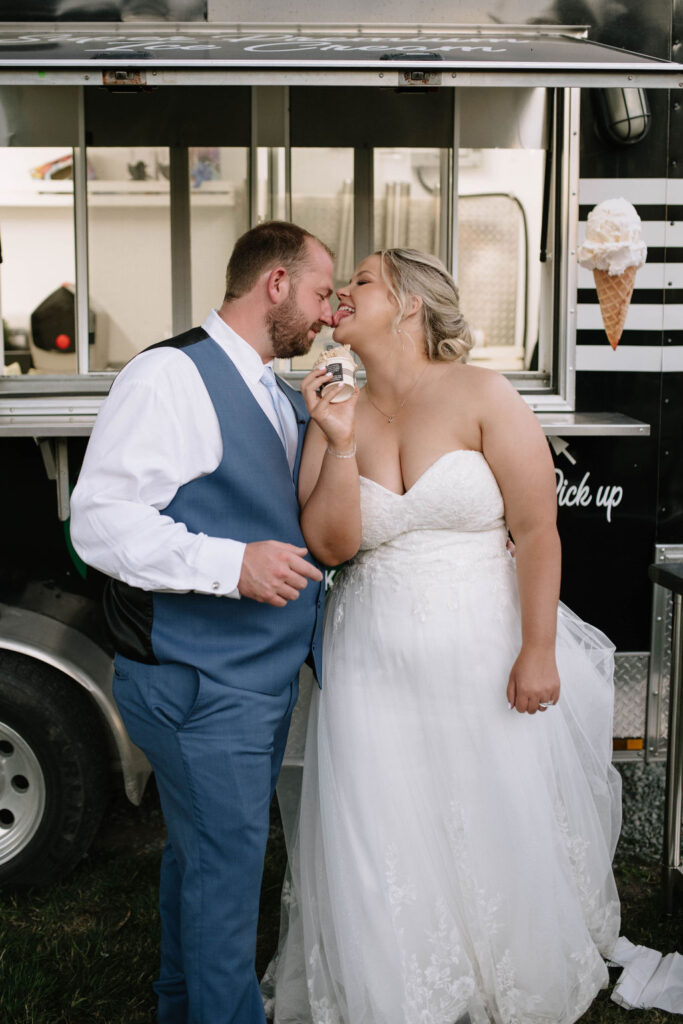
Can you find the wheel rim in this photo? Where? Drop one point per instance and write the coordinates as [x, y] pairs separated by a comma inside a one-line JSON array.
[[22, 793]]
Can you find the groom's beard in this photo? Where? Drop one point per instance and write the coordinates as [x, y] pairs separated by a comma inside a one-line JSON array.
[[288, 329]]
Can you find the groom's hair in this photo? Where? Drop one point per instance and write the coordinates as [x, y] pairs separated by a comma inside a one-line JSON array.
[[275, 243]]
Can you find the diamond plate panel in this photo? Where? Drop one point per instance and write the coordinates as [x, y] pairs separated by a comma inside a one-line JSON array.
[[490, 237], [660, 663], [666, 667], [630, 694]]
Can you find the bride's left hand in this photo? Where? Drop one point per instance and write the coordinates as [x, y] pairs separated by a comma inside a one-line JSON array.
[[534, 680]]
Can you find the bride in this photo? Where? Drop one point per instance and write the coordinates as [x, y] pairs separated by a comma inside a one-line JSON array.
[[459, 811]]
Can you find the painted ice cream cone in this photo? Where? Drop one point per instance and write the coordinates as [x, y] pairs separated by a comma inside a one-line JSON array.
[[613, 250], [614, 295]]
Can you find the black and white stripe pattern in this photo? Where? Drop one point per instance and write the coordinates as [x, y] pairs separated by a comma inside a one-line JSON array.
[[653, 334]]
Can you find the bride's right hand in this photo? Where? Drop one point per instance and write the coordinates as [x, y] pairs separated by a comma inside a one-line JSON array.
[[335, 420]]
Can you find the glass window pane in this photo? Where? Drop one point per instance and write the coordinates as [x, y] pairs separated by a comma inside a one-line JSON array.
[[408, 199], [271, 195], [36, 216], [500, 206], [129, 251], [322, 202], [219, 209]]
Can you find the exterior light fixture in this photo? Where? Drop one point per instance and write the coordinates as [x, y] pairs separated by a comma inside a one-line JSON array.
[[622, 115]]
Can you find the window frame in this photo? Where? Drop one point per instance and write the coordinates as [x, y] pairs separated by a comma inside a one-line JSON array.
[[556, 393]]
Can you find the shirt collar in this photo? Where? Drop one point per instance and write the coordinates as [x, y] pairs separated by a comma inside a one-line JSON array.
[[246, 359]]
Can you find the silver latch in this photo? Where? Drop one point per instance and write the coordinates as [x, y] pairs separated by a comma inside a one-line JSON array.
[[431, 78], [415, 77], [121, 77]]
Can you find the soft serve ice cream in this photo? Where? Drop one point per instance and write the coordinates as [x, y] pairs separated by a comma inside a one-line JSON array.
[[613, 250]]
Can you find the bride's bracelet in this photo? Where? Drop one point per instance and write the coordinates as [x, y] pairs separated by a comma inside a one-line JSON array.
[[343, 455]]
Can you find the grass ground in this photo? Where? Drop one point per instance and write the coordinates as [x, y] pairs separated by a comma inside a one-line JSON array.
[[85, 951]]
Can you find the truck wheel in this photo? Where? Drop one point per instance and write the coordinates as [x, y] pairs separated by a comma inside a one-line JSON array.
[[54, 776]]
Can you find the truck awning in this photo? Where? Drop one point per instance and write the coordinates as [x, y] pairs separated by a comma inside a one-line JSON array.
[[456, 55]]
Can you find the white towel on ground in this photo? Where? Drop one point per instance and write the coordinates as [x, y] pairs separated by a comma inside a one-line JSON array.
[[648, 980]]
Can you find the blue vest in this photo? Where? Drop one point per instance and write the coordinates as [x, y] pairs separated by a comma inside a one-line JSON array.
[[250, 496]]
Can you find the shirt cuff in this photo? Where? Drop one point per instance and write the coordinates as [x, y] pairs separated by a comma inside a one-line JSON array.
[[219, 566]]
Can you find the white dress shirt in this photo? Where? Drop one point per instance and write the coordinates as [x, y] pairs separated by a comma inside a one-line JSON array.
[[156, 431]]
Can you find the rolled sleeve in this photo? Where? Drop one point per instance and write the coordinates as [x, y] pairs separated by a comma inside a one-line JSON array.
[[156, 431]]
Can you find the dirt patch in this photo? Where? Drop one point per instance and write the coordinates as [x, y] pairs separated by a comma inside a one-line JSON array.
[[125, 827]]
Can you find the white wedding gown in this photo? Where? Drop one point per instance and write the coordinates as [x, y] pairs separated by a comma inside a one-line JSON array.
[[453, 856]]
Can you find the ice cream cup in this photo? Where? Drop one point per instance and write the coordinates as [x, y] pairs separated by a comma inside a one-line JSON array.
[[341, 364]]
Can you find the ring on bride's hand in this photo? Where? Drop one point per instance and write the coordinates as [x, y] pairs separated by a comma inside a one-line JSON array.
[[545, 703]]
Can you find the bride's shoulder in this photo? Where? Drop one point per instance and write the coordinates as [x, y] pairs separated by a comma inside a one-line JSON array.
[[482, 382], [489, 396]]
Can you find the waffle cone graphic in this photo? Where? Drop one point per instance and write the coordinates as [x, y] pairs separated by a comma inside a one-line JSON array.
[[614, 293]]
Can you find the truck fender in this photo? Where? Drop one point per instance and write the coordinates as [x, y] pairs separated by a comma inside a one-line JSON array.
[[77, 656]]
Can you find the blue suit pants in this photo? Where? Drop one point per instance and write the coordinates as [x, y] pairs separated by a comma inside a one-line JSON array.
[[216, 751]]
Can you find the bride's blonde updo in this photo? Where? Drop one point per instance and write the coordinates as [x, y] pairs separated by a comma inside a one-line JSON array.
[[408, 272]]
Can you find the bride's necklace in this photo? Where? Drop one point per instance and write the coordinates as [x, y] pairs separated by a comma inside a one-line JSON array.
[[390, 419]]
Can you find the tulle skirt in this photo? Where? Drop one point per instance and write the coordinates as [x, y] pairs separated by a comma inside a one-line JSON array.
[[452, 856]]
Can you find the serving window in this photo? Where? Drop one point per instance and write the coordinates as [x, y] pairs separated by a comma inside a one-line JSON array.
[[118, 211]]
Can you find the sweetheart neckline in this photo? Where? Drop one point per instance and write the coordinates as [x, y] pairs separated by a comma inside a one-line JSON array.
[[453, 451]]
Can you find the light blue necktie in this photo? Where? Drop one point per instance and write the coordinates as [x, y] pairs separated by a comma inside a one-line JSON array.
[[280, 405]]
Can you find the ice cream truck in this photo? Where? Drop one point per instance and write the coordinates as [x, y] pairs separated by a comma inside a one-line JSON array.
[[140, 139]]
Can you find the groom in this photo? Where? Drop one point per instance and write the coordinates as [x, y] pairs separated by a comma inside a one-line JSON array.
[[187, 500]]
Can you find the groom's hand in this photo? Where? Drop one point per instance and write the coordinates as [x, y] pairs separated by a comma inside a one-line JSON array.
[[274, 572]]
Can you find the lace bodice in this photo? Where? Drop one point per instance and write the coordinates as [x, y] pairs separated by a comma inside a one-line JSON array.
[[458, 492]]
